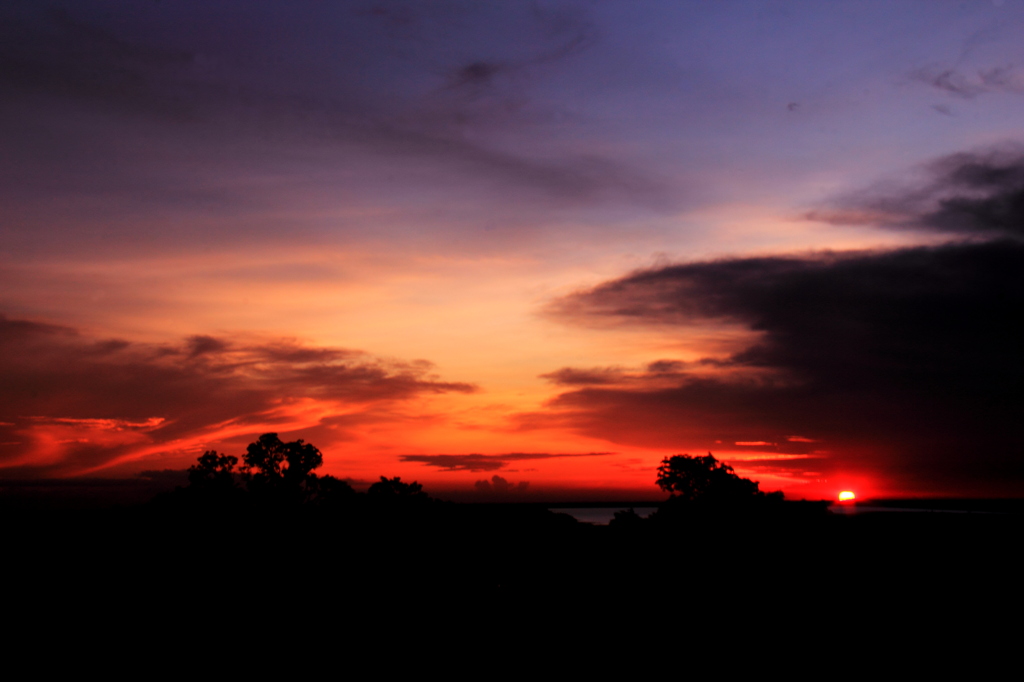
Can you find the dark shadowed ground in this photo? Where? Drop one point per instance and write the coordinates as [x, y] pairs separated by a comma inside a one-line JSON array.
[[239, 563]]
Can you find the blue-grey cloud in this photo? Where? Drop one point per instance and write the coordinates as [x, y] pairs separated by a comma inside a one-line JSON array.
[[963, 84], [294, 93]]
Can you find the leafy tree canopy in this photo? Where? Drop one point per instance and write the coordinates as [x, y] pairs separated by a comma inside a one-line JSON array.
[[706, 480], [394, 488], [213, 471], [278, 475], [271, 462]]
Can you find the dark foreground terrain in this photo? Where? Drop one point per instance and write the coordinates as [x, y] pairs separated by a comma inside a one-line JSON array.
[[240, 560], [273, 563]]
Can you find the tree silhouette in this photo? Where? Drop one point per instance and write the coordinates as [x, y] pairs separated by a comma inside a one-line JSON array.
[[212, 481], [627, 519], [393, 488], [279, 476], [213, 471], [281, 470], [705, 480]]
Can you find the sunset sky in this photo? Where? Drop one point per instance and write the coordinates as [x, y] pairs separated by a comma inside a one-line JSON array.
[[517, 250]]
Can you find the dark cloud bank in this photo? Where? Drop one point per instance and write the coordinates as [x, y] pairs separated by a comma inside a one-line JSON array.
[[906, 363], [58, 377]]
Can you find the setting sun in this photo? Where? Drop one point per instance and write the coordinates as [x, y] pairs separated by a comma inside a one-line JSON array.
[[847, 496]]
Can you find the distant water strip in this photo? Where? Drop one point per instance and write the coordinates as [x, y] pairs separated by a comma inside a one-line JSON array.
[[601, 516]]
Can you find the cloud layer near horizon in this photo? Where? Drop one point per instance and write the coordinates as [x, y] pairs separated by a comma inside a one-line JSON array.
[[904, 362], [74, 404], [476, 462], [907, 361]]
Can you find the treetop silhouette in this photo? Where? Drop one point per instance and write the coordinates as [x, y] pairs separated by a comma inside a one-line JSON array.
[[213, 471], [278, 475], [269, 461], [393, 488], [705, 480], [273, 473]]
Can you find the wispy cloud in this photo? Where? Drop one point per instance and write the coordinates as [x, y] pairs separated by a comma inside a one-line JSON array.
[[344, 98], [966, 84], [478, 462], [971, 194]]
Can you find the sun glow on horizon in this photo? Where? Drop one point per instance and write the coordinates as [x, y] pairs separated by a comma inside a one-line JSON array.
[[847, 496]]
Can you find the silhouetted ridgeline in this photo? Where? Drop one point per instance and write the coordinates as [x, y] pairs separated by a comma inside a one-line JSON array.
[[235, 532]]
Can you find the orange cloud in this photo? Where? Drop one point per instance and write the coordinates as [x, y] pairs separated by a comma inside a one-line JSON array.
[[76, 405]]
